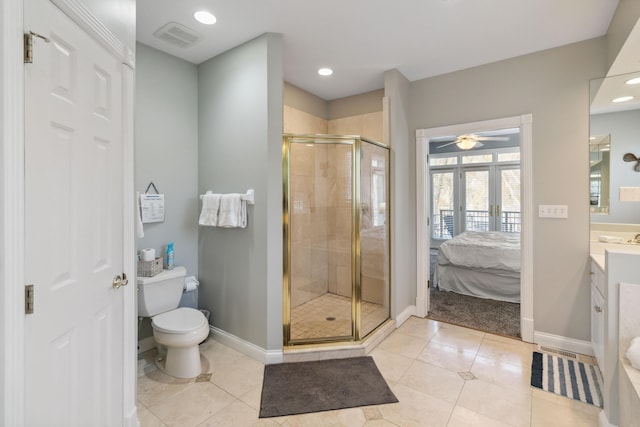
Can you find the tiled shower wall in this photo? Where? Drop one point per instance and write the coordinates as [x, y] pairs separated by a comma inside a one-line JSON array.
[[321, 204]]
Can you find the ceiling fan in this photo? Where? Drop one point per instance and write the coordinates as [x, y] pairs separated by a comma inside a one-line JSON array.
[[471, 140]]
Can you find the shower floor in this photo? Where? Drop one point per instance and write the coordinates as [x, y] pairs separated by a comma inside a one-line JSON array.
[[329, 315]]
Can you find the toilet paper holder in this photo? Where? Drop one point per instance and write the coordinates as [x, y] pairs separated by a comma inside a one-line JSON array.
[[190, 283]]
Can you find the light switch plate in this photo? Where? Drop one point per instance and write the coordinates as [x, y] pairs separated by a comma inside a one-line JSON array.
[[553, 211], [630, 194]]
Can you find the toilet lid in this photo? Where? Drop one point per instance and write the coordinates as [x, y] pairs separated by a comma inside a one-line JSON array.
[[179, 321]]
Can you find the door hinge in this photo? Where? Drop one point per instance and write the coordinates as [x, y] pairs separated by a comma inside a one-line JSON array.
[[28, 45], [28, 299], [428, 284]]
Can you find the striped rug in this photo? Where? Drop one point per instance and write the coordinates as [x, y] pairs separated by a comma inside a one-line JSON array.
[[567, 377]]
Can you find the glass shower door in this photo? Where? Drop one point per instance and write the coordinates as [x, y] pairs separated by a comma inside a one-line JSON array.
[[320, 224], [374, 237]]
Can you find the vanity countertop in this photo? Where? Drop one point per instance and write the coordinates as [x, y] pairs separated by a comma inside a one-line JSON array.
[[597, 250]]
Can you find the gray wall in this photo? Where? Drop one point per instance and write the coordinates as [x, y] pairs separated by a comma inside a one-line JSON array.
[[624, 19], [166, 150], [368, 102], [403, 190], [240, 139], [624, 128], [553, 85], [302, 100]]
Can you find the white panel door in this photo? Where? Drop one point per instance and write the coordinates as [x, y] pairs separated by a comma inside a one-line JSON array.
[[74, 225]]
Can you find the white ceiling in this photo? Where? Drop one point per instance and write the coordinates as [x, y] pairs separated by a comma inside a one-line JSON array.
[[361, 39], [625, 67]]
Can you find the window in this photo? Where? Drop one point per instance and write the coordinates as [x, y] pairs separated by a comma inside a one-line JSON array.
[[443, 161], [478, 192], [478, 158], [509, 157]]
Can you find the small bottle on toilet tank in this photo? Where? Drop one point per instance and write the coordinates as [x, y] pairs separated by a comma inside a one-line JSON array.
[[169, 256]]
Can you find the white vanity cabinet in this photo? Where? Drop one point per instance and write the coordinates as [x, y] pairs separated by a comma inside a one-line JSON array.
[[597, 313], [610, 265]]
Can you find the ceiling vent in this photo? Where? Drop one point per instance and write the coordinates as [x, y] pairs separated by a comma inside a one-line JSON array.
[[177, 35]]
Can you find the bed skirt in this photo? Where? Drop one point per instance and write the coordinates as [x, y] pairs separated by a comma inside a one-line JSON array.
[[501, 285]]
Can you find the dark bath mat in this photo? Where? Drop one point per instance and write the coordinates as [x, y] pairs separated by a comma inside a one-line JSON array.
[[324, 385]]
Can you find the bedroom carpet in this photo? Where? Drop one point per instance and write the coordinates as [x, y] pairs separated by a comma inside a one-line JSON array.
[[303, 387], [567, 377], [496, 317]]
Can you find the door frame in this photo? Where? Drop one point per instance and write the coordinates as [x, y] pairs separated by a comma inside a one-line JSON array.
[[12, 212], [525, 123]]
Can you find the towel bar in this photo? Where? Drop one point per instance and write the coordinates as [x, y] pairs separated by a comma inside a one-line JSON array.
[[247, 197]]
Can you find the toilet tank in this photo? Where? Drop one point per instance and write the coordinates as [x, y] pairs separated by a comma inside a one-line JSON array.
[[160, 293]]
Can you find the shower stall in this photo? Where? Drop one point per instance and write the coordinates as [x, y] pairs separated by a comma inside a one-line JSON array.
[[336, 285]]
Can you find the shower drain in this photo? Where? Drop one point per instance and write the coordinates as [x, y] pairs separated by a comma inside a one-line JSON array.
[[331, 319]]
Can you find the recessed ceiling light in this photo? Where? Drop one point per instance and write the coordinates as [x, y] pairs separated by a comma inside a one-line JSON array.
[[622, 99], [633, 81], [325, 71], [205, 17]]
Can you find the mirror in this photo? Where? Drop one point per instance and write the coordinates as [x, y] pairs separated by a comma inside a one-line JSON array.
[[614, 131], [599, 150]]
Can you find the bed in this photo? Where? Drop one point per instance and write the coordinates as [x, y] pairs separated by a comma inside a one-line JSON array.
[[480, 264]]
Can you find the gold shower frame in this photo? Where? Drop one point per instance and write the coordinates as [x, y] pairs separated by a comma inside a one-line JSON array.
[[356, 205]]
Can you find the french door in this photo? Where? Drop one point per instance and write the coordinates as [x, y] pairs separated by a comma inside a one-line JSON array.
[[491, 198], [475, 198]]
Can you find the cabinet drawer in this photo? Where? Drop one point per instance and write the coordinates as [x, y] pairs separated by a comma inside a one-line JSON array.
[[597, 277]]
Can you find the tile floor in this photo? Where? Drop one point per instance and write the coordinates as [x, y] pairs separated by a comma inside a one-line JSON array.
[[443, 375], [311, 319]]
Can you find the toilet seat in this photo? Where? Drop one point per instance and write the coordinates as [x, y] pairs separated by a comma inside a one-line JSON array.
[[182, 320]]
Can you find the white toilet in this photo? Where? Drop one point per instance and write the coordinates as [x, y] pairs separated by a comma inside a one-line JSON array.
[[177, 331]]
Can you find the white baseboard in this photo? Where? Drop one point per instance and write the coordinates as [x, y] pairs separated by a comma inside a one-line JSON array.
[[526, 330], [563, 343], [405, 315], [146, 344], [603, 421], [249, 349], [132, 419]]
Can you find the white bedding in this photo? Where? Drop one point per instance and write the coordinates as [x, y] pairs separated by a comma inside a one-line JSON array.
[[481, 264], [488, 249]]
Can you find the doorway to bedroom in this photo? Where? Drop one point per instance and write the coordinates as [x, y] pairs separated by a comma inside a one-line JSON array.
[[472, 218]]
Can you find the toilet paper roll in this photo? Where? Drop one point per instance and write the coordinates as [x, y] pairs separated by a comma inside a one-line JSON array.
[[190, 283], [148, 254]]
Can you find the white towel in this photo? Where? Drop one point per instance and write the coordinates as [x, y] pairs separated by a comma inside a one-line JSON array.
[[233, 211], [633, 353], [210, 208], [139, 227], [611, 239]]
